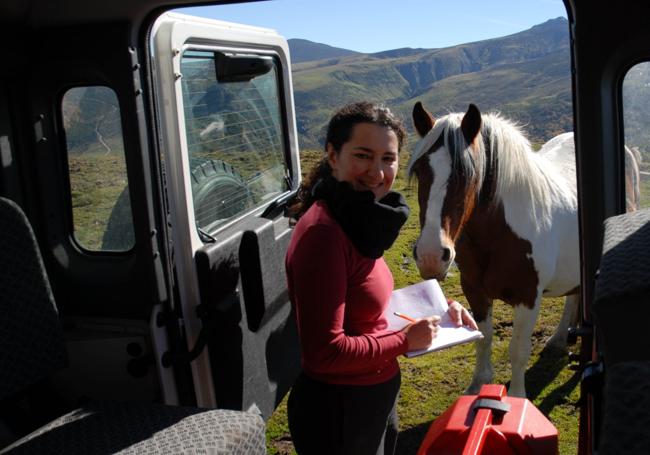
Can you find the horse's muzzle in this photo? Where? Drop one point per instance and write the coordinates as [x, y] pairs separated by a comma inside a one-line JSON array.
[[434, 265], [432, 269], [440, 276]]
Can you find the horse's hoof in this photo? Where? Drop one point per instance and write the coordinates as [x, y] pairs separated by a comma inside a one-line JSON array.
[[516, 391]]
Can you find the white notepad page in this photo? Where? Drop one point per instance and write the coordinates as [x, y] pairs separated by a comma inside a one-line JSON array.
[[422, 300]]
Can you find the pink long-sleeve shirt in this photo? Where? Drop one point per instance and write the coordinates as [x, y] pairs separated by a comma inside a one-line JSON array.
[[339, 297]]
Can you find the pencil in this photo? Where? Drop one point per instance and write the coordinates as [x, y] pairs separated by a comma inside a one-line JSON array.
[[403, 316]]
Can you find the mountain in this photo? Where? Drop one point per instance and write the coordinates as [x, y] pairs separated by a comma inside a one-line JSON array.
[[303, 50], [525, 76]]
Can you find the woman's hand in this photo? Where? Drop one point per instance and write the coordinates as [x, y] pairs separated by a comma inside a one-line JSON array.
[[460, 316], [420, 334]]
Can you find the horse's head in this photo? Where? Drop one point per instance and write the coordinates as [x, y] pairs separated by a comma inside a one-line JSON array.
[[446, 165]]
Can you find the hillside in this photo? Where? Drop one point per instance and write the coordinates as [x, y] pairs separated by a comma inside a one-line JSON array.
[[303, 50], [536, 93], [525, 75]]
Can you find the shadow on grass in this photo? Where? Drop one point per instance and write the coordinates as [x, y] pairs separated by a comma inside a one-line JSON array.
[[558, 396], [544, 371], [409, 441]]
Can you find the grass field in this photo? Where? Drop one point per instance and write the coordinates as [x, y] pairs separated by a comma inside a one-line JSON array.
[[96, 181], [431, 383]]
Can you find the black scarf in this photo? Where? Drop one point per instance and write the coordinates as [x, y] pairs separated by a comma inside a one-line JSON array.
[[371, 225]]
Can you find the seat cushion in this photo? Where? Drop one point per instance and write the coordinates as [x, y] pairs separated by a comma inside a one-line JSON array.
[[31, 337], [623, 289], [143, 428], [626, 415]]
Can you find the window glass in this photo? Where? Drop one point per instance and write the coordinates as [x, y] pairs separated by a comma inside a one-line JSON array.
[[99, 191], [234, 135], [636, 118]]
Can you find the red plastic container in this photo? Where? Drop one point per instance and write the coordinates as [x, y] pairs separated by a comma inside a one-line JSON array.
[[491, 423]]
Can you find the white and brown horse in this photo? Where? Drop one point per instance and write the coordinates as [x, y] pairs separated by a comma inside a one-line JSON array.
[[506, 215]]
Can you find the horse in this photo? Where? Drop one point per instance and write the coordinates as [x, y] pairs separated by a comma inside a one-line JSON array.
[[506, 215], [632, 178]]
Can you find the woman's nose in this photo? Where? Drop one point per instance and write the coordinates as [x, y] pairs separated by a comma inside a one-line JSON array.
[[376, 169]]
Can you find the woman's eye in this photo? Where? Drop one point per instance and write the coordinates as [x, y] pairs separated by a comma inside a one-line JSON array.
[[363, 156]]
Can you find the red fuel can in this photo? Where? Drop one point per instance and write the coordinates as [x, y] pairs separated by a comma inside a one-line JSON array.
[[491, 423]]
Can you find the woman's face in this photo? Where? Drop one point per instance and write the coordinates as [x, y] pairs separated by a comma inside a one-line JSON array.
[[368, 160]]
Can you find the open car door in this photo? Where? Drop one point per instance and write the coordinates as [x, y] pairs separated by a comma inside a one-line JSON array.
[[227, 134]]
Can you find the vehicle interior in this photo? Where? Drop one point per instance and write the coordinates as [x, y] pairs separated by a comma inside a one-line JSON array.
[[94, 338]]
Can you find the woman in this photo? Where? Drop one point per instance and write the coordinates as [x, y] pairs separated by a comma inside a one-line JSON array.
[[344, 401]]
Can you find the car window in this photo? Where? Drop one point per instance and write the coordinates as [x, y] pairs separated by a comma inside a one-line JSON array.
[[99, 190], [234, 137], [636, 119]]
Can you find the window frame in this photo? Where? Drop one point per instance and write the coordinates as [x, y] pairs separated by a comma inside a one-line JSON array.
[[213, 229], [66, 171]]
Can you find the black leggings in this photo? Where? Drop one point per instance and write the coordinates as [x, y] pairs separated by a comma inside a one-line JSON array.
[[337, 419]]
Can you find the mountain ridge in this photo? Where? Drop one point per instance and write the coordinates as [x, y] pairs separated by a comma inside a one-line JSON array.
[[303, 50], [533, 64]]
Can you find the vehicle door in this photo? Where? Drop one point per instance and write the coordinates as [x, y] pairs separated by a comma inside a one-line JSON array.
[[228, 140]]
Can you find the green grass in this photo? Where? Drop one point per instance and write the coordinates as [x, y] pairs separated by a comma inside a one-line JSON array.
[[96, 181], [431, 383]]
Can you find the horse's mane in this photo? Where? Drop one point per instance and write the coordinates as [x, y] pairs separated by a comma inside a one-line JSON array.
[[520, 172]]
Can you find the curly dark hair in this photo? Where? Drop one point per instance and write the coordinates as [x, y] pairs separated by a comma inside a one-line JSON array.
[[339, 131]]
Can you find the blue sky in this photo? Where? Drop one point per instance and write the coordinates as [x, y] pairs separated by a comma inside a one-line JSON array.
[[379, 25]]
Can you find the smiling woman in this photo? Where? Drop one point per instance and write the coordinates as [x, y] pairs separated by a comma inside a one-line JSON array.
[[339, 285], [349, 360]]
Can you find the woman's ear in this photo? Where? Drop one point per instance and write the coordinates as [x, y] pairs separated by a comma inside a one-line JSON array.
[[332, 156]]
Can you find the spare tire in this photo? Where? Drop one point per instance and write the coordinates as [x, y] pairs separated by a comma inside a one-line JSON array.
[[219, 192]]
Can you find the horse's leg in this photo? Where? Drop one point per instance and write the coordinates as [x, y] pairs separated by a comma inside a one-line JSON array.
[[521, 346], [569, 317], [483, 371]]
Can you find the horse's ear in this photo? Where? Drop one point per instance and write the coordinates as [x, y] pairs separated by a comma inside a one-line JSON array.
[[422, 119], [471, 123]]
